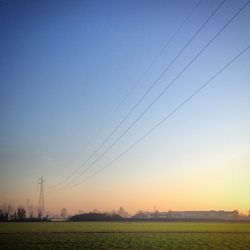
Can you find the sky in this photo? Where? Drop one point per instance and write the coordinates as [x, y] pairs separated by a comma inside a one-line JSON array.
[[65, 67]]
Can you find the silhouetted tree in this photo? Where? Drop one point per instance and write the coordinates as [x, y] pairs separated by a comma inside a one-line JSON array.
[[1, 215], [21, 213], [30, 211], [39, 214], [6, 212], [64, 213], [121, 211]]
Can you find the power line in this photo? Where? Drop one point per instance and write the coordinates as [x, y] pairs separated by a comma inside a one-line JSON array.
[[144, 95], [166, 117], [162, 50], [164, 47], [217, 34], [162, 93]]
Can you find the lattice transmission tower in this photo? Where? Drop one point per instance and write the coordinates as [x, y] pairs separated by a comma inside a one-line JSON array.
[[41, 210]]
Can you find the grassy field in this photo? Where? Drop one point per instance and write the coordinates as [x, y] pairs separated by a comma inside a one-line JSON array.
[[125, 235]]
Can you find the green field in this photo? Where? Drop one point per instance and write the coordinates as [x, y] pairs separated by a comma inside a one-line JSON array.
[[125, 235]]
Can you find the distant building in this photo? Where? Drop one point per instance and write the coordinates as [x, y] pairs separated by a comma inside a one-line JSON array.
[[211, 214]]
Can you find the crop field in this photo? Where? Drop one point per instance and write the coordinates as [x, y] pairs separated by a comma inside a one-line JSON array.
[[125, 235]]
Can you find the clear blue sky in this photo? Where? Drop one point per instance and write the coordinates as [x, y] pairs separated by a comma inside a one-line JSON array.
[[66, 65]]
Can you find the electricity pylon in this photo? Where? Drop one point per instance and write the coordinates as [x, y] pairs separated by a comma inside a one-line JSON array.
[[41, 199]]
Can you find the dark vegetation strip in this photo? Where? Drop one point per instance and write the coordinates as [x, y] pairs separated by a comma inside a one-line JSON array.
[[126, 232], [28, 220]]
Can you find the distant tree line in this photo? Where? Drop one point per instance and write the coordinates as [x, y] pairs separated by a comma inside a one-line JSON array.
[[19, 214], [95, 215], [9, 213], [30, 213]]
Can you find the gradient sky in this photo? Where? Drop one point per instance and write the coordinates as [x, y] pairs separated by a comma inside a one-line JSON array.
[[66, 65]]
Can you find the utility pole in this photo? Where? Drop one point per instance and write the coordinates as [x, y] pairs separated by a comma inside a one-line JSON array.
[[41, 199]]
